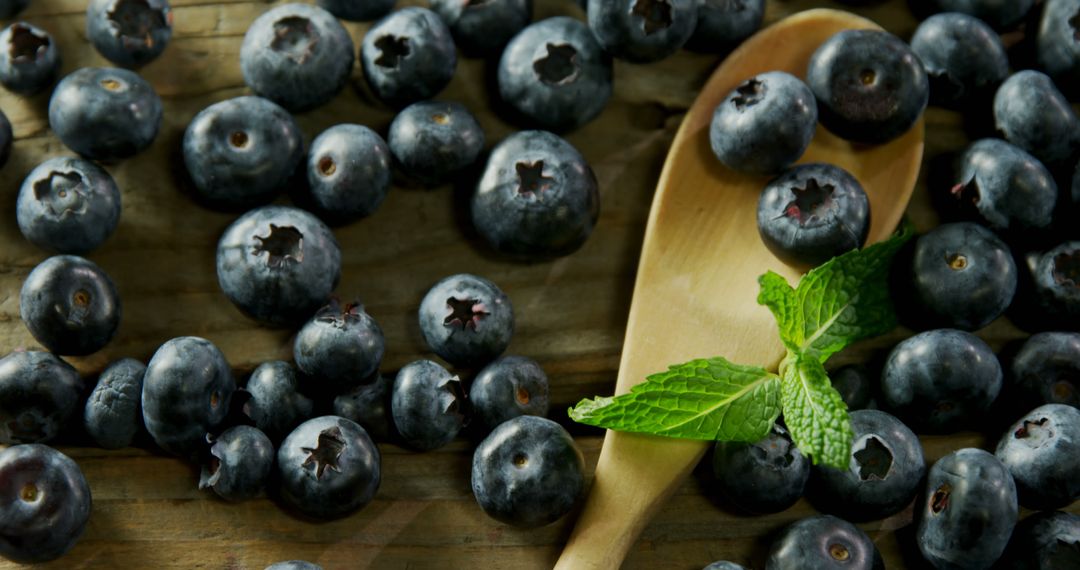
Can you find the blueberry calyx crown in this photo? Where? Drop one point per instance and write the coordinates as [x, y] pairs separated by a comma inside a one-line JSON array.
[[655, 15], [339, 315], [531, 179], [810, 201], [452, 397], [61, 192], [282, 244], [559, 66], [939, 501], [295, 37], [966, 191], [875, 460], [326, 452], [1067, 268], [466, 312], [26, 44], [748, 94], [393, 48], [1036, 429], [135, 21]]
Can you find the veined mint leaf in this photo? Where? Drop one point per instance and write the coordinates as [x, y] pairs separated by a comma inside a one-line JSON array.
[[702, 399], [815, 413], [837, 303]]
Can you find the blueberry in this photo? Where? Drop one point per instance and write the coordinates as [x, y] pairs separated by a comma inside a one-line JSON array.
[[555, 74], [104, 113], [510, 386], [408, 56], [883, 474], [764, 124], [293, 565], [724, 565], [339, 347], [39, 394], [537, 197], [357, 10], [962, 276], [348, 172], [426, 405], [642, 31], [68, 205], [276, 404], [1005, 187], [968, 511], [70, 305], [724, 24], [9, 8], [1000, 14], [528, 472], [483, 28], [941, 380], [964, 58], [870, 87], [369, 406], [434, 140], [130, 33], [1049, 540], [44, 503], [29, 58], [812, 213], [113, 413], [763, 477], [238, 464], [1058, 50], [297, 55], [1056, 286], [1042, 451], [278, 264], [1046, 370], [466, 320], [822, 542], [186, 392], [241, 152], [328, 467], [1034, 115], [855, 386]]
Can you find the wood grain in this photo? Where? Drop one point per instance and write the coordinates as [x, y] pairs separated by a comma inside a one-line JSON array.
[[571, 313]]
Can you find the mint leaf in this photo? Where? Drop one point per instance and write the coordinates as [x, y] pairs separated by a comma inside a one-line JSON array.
[[814, 412], [702, 399], [837, 303]]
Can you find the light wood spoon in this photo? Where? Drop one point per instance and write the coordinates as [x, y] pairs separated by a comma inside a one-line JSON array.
[[696, 289]]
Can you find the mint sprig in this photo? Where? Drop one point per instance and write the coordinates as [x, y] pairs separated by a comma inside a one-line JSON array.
[[842, 301]]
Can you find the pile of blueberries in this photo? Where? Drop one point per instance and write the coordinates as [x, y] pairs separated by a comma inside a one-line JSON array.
[[305, 431]]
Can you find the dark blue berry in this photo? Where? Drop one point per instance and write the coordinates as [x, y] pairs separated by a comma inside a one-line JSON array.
[[855, 386], [339, 347], [348, 172], [186, 393], [968, 510], [328, 467], [941, 380], [764, 477], [369, 406], [105, 114], [823, 542], [764, 124], [278, 264], [1000, 14], [483, 27], [555, 74], [241, 152], [1049, 540], [1058, 45], [528, 472], [44, 503], [724, 24], [812, 213], [963, 57], [537, 197], [39, 395], [427, 405], [1005, 187], [238, 463], [642, 30], [29, 58], [357, 10], [1033, 115], [297, 55], [68, 205], [509, 387], [434, 140], [1046, 370], [1042, 451], [408, 56], [70, 305], [466, 320], [1056, 290], [113, 414], [870, 87], [129, 33], [276, 404]]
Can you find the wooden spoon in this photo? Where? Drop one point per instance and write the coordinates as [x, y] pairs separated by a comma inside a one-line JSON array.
[[696, 289]]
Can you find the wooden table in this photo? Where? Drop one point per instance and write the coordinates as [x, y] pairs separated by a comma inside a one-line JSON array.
[[571, 315]]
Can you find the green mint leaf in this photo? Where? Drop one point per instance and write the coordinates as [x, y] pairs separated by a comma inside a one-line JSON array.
[[837, 303], [815, 413], [702, 399]]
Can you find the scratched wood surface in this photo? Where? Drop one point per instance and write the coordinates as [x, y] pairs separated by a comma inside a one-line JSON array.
[[571, 315]]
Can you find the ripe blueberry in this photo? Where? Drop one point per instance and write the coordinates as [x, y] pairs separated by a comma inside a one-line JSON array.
[[105, 114], [964, 58], [434, 140], [129, 33], [39, 395], [68, 205], [426, 405], [767, 476], [339, 347], [276, 404], [29, 58], [408, 56], [113, 414], [70, 305], [823, 542], [348, 172], [1042, 451], [328, 467], [483, 28], [238, 463], [466, 320], [509, 387], [642, 30]]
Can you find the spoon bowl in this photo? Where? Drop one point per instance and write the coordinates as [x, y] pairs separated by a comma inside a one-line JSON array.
[[696, 290]]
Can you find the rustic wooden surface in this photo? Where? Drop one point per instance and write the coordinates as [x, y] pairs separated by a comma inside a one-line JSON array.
[[571, 315]]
